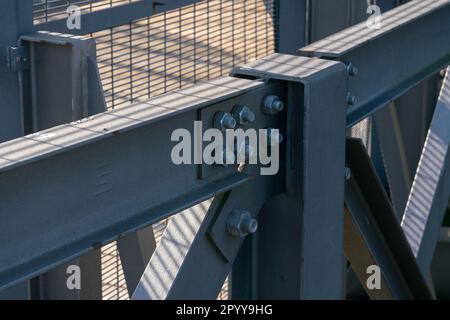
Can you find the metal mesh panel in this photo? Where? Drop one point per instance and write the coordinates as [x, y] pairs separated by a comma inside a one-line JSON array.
[[49, 10], [175, 49]]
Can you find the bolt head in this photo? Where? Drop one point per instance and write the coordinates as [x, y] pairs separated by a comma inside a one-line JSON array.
[[278, 105], [241, 223], [223, 121], [243, 114], [272, 105], [352, 70]]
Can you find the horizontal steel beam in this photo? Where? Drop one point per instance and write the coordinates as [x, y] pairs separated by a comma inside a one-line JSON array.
[[112, 17], [411, 44], [79, 185]]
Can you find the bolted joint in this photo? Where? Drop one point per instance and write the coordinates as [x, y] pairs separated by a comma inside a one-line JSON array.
[[272, 105], [243, 114], [241, 223], [224, 120], [352, 70]]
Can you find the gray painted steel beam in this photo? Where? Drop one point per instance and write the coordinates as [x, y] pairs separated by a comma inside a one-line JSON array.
[[82, 184], [135, 250], [311, 266], [63, 83], [64, 86], [394, 157], [53, 284], [430, 192], [406, 31], [194, 243], [163, 272], [12, 25], [21, 291], [291, 31], [373, 235], [16, 18]]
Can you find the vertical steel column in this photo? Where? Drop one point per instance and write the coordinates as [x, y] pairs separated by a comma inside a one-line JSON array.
[[16, 18], [300, 241], [64, 84], [291, 21]]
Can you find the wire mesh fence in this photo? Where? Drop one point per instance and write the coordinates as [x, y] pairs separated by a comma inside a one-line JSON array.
[[176, 49], [50, 10]]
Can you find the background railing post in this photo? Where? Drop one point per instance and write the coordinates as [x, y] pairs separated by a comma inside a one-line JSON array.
[[16, 18]]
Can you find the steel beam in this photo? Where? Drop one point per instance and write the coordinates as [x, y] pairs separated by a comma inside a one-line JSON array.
[[394, 157], [430, 192], [135, 251], [82, 184], [21, 291], [16, 18], [405, 32], [63, 82], [373, 235], [193, 245], [292, 20], [52, 285], [311, 267]]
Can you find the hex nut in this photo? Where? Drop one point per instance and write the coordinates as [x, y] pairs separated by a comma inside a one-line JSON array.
[[241, 223], [243, 114], [272, 105], [224, 120], [352, 70]]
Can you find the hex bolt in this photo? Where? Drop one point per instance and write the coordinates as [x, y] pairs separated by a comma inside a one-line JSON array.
[[352, 70], [351, 99], [272, 105], [243, 114], [241, 223], [348, 173], [224, 120], [274, 136]]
